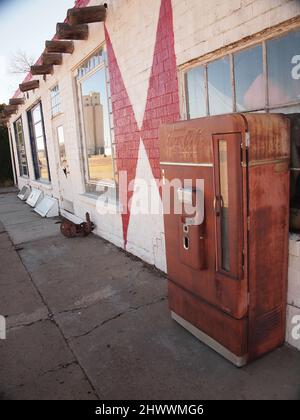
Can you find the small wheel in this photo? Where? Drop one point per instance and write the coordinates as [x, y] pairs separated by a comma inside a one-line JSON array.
[[68, 229]]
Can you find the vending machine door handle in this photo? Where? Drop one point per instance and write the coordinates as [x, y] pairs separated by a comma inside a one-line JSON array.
[[218, 204]]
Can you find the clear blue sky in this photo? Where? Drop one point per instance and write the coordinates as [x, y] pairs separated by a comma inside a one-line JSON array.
[[26, 25]]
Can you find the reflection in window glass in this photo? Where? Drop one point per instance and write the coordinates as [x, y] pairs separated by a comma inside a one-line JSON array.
[[283, 56], [39, 144], [38, 129], [62, 148], [196, 92], [36, 114], [249, 79], [97, 126], [23, 165], [220, 87], [55, 101], [223, 162]]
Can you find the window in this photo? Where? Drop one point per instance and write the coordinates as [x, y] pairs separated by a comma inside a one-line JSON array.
[[20, 143], [55, 101], [95, 100], [223, 168], [284, 69], [262, 78], [228, 203], [196, 92], [249, 79], [38, 143], [220, 88], [245, 81]]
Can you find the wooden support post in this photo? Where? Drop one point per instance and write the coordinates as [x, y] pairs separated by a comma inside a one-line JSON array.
[[38, 70], [52, 59], [80, 15], [65, 47], [77, 32], [33, 84], [16, 101]]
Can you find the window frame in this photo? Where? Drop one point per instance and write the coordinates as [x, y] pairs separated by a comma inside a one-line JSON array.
[[52, 97], [90, 185], [204, 62], [16, 134], [33, 144]]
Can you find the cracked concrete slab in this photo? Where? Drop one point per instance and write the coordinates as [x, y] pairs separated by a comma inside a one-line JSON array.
[[9, 190], [18, 296], [5, 242], [73, 265], [33, 230], [35, 368], [88, 321], [26, 319], [145, 355], [10, 207], [19, 217], [22, 223]]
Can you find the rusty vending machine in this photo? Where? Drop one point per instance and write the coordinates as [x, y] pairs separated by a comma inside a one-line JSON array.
[[226, 210]]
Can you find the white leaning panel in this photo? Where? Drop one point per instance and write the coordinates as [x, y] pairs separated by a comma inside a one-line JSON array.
[[35, 197], [71, 217], [24, 193], [47, 207]]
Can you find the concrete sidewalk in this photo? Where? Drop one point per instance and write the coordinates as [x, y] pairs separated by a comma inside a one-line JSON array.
[[86, 321]]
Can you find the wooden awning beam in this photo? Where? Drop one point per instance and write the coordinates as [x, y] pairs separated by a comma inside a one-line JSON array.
[[16, 101], [10, 109], [27, 86], [41, 69], [62, 47], [75, 29], [76, 32], [81, 15], [52, 59]]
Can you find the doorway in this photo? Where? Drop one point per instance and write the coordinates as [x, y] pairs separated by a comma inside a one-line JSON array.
[[66, 195]]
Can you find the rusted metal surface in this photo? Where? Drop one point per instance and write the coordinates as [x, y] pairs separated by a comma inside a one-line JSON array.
[[216, 299], [71, 230]]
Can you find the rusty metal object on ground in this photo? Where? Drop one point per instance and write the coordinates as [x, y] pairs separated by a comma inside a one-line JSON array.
[[71, 230]]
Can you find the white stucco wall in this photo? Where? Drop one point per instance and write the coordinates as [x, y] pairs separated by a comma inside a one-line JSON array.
[[201, 26]]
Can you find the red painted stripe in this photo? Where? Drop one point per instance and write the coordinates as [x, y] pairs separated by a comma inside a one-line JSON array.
[[162, 104]]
